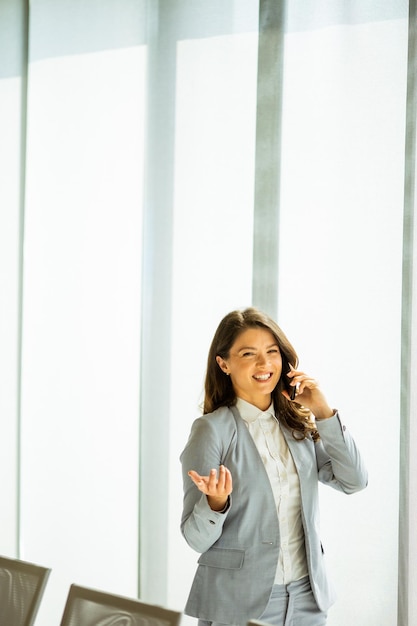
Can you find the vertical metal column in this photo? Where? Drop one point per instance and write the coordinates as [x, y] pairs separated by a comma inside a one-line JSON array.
[[156, 308], [24, 31], [268, 154], [407, 605]]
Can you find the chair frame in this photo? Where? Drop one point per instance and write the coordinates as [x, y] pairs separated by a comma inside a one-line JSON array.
[[40, 572], [123, 603]]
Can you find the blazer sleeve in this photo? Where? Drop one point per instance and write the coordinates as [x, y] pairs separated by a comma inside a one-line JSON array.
[[200, 525], [339, 461]]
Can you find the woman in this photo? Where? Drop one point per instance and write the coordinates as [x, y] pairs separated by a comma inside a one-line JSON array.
[[251, 469]]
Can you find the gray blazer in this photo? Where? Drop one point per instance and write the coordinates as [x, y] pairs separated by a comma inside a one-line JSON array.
[[240, 548]]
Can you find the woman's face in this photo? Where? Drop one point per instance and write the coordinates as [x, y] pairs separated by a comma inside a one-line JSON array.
[[254, 366]]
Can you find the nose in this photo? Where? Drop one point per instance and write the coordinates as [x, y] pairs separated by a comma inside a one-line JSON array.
[[262, 359]]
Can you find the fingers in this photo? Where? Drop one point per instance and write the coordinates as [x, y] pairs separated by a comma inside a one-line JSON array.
[[307, 393], [211, 484], [301, 381], [223, 472], [228, 483], [195, 477], [307, 383], [224, 483]]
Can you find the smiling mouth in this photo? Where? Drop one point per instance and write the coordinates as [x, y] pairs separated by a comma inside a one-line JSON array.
[[263, 377]]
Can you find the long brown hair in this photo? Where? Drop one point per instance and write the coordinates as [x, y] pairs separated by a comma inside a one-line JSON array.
[[219, 389]]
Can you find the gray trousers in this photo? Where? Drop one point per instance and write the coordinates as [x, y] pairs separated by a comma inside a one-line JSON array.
[[289, 605]]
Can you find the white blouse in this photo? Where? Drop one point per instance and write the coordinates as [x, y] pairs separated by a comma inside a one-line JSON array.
[[282, 473]]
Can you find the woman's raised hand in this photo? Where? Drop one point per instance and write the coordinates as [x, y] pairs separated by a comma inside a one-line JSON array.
[[217, 489], [309, 394]]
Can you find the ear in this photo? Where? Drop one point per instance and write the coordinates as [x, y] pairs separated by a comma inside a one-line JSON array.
[[222, 364]]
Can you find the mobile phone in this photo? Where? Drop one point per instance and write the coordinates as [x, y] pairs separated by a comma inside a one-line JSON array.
[[286, 368]]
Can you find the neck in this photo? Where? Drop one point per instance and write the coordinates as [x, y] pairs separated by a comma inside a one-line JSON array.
[[262, 403]]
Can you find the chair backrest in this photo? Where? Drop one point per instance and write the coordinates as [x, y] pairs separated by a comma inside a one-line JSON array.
[[21, 588], [90, 607]]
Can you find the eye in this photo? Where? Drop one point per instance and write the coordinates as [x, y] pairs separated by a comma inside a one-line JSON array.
[[248, 354], [274, 350]]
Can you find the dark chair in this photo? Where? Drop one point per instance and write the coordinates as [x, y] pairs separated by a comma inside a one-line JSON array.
[[21, 589], [89, 607]]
